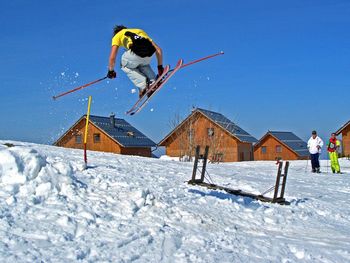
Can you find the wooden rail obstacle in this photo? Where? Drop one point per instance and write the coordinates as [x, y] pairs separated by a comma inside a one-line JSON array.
[[279, 187]]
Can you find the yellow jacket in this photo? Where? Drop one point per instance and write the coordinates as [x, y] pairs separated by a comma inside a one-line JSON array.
[[121, 40]]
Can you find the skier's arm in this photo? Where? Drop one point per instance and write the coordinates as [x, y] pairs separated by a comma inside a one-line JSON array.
[[337, 144], [112, 57], [320, 143], [159, 54]]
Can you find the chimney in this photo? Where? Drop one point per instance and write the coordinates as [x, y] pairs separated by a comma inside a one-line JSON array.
[[112, 119]]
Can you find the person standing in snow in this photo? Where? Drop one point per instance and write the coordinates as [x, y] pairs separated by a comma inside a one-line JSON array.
[[314, 145], [135, 61], [332, 148]]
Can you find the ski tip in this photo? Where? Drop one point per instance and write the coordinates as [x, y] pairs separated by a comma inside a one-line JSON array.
[[222, 52], [54, 97]]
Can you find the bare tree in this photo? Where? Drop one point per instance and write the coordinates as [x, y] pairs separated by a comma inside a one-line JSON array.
[[184, 136], [189, 135]]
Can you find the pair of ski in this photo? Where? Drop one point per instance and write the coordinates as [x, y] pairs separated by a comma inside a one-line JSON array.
[[154, 88]]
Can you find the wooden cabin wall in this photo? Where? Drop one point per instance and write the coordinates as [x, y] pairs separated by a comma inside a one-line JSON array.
[[346, 141], [195, 132], [271, 154], [106, 144]]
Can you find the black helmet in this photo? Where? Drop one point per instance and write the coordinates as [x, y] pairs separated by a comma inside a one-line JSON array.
[[117, 28]]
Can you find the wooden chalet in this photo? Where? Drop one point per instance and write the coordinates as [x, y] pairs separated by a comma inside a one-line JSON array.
[[227, 142], [275, 145], [107, 134], [345, 132]]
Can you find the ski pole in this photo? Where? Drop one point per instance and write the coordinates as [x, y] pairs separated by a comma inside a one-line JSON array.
[[201, 59], [78, 88], [307, 163]]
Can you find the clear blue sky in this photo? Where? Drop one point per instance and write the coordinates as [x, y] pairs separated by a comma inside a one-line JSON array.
[[286, 64]]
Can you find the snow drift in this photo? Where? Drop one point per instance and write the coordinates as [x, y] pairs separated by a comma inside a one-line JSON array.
[[126, 208]]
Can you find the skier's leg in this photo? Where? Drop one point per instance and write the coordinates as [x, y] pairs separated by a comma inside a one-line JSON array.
[[136, 77], [336, 162], [332, 162], [129, 64], [146, 69], [317, 164], [148, 72], [313, 162]]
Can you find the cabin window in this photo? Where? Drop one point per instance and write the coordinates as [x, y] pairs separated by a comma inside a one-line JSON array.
[[263, 149], [78, 139], [278, 148], [97, 138], [210, 132]]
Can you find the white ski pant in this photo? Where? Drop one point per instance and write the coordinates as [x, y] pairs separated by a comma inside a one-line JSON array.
[[137, 69]]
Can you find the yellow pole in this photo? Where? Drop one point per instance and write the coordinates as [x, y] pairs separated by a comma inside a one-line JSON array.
[[86, 129]]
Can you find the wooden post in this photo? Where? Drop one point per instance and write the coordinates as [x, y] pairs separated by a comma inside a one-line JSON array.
[[279, 172], [280, 198], [86, 130], [195, 165], [205, 159], [284, 179]]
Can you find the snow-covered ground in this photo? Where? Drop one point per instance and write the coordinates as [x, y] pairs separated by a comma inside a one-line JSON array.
[[125, 209]]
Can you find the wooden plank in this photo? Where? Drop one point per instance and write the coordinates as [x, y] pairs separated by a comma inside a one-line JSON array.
[[205, 159], [195, 165], [284, 182], [239, 192], [279, 172]]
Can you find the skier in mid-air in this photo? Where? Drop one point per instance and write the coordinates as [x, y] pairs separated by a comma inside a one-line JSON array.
[[135, 61]]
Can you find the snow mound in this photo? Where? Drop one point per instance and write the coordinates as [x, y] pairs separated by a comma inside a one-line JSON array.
[[134, 209], [24, 172]]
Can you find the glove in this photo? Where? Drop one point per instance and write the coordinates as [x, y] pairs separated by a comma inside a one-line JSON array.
[[160, 70], [111, 74]]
